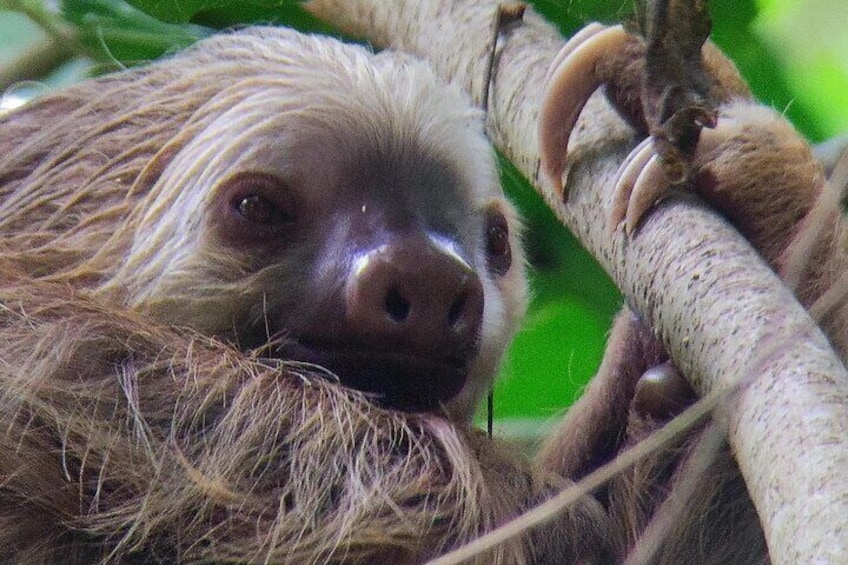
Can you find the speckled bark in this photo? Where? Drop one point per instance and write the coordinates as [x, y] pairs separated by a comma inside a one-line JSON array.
[[720, 311]]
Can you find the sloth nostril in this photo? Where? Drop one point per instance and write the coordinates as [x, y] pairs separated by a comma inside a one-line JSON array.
[[457, 309], [396, 305]]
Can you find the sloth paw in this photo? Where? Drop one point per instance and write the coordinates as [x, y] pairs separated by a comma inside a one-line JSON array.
[[655, 92], [641, 181]]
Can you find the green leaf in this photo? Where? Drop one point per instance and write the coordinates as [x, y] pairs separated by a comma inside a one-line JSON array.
[[175, 11], [184, 11], [114, 31], [551, 360], [810, 47]]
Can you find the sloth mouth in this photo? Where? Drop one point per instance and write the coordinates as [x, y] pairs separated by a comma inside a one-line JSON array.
[[396, 380]]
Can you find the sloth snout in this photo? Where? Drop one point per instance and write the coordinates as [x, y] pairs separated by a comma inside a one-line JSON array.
[[412, 295]]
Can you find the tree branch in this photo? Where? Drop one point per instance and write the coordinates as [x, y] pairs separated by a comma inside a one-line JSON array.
[[706, 293]]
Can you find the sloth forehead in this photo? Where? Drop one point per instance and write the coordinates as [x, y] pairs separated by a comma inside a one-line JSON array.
[[314, 101], [323, 115], [324, 144]]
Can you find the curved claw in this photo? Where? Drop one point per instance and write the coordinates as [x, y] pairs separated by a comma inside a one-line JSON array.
[[642, 182], [571, 80], [583, 35], [651, 185], [662, 392], [627, 175]]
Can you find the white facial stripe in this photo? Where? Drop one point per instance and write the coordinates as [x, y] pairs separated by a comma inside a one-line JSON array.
[[449, 247], [362, 260]]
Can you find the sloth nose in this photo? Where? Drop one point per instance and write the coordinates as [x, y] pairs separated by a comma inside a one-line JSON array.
[[416, 295]]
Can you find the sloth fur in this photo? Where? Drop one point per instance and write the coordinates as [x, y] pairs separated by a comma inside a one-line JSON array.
[[130, 432]]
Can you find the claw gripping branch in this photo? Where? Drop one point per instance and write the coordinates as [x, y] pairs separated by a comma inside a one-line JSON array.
[[665, 78]]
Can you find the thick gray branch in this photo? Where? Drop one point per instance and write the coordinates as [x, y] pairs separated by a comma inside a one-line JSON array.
[[720, 311]]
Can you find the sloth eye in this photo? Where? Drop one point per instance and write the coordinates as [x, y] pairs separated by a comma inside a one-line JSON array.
[[260, 210], [255, 208], [497, 243], [261, 199]]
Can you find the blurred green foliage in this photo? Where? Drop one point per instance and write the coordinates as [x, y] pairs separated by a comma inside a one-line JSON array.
[[793, 53], [117, 33]]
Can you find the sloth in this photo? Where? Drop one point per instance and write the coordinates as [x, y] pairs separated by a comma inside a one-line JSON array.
[[750, 165], [251, 296]]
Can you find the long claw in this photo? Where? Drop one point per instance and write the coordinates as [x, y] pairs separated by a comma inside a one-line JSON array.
[[573, 43], [642, 181], [651, 185], [571, 81], [627, 175], [662, 392]]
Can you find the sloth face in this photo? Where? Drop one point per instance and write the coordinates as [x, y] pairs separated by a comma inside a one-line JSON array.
[[389, 293], [349, 218]]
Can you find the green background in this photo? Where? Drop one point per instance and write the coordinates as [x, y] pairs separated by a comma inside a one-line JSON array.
[[793, 53]]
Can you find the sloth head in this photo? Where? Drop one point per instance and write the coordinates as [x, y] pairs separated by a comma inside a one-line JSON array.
[[329, 206]]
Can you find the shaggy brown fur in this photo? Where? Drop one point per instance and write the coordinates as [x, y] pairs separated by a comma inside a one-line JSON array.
[[127, 439]]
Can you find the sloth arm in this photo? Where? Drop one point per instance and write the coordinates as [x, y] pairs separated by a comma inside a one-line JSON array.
[[753, 167]]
